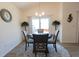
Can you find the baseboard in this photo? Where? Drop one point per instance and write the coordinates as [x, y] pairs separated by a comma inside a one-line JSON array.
[[11, 49]]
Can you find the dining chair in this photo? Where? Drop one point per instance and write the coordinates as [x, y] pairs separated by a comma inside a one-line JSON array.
[[27, 38], [40, 30], [54, 39], [40, 43]]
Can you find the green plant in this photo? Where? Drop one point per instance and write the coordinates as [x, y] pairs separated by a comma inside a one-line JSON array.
[[55, 23], [24, 24]]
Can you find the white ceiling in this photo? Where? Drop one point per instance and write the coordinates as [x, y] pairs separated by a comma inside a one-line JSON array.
[[23, 5], [26, 5]]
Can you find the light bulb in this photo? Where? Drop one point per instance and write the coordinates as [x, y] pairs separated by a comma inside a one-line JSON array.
[[40, 15], [43, 13], [36, 14]]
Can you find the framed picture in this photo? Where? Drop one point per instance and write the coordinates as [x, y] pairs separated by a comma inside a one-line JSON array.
[[5, 15]]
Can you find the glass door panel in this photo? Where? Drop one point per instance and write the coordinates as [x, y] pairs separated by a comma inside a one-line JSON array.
[[45, 24], [35, 25]]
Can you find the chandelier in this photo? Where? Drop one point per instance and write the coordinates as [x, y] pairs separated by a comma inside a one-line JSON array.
[[39, 13]]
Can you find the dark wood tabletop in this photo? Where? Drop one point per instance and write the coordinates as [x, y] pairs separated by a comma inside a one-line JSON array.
[[31, 36]]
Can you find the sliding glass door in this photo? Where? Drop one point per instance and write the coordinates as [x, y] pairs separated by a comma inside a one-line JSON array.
[[35, 25], [40, 23]]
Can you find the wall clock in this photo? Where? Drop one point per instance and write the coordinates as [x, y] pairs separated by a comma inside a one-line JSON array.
[[5, 15]]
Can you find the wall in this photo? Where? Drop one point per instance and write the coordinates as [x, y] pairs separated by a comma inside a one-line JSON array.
[[70, 29], [9, 32]]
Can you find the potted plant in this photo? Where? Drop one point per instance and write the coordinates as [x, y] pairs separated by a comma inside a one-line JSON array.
[[24, 24], [56, 24]]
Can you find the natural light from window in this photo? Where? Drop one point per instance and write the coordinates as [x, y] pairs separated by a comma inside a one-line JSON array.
[[40, 23]]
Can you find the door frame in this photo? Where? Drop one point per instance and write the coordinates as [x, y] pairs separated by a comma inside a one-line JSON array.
[[77, 27]]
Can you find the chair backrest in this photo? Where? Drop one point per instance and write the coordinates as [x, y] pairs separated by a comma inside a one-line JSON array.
[[25, 34], [40, 38], [56, 35], [40, 30]]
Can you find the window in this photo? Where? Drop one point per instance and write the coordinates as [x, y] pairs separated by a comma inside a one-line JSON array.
[[40, 23]]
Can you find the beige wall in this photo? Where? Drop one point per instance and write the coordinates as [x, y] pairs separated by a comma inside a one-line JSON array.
[[9, 32], [70, 29]]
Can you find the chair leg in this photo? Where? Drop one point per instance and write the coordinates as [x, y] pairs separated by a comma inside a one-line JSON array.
[[46, 54], [25, 46], [28, 44], [34, 48], [35, 54], [55, 47]]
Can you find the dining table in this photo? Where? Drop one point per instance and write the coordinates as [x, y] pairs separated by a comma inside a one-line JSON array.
[[30, 36]]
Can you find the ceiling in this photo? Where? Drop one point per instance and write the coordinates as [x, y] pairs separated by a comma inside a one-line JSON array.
[[23, 5], [26, 5]]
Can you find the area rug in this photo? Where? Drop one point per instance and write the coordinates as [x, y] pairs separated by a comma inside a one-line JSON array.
[[20, 52]]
